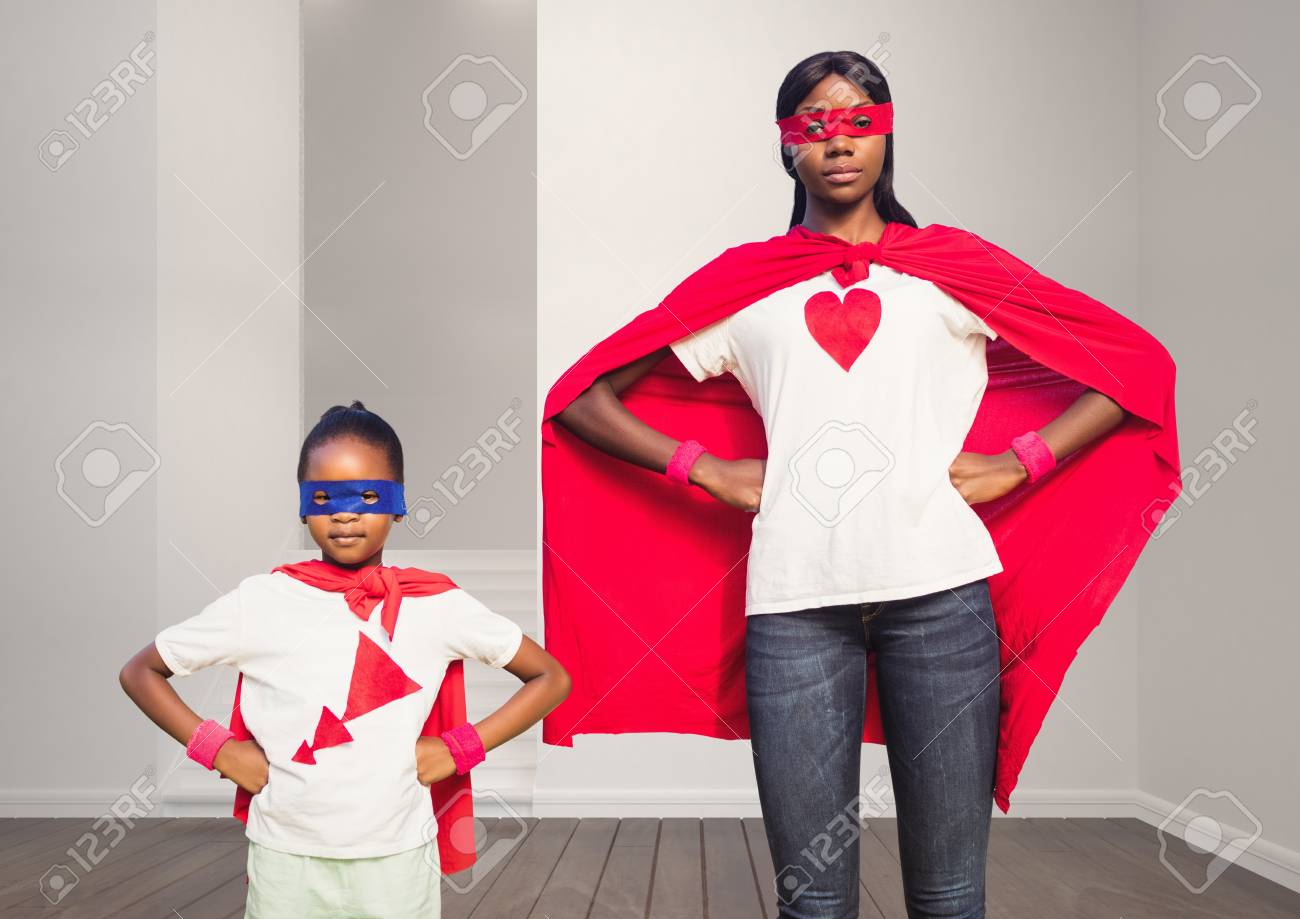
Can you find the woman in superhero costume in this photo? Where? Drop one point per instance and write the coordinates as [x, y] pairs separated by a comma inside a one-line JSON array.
[[934, 465]]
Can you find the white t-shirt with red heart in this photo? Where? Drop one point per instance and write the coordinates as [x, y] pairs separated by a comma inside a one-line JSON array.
[[866, 394], [309, 662]]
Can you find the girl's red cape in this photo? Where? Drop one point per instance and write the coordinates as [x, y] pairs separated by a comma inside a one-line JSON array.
[[453, 798], [643, 581]]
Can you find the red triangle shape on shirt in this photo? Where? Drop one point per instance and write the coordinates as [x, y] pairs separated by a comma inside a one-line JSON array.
[[330, 731], [304, 755], [376, 680]]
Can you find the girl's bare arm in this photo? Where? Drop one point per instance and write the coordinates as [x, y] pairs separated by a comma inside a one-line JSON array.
[[546, 685], [145, 679]]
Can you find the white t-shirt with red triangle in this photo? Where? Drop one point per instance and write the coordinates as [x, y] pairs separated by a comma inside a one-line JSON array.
[[336, 706], [866, 395]]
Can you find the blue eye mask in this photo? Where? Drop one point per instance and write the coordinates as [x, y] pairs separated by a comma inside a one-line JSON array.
[[346, 495]]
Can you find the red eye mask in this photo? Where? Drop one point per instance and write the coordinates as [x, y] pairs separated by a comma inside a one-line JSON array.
[[858, 121]]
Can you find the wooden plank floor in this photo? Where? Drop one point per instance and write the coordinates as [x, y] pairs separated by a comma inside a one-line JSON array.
[[635, 868]]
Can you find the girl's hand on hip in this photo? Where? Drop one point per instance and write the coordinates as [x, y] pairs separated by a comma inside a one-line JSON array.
[[735, 482], [244, 763], [433, 761], [982, 477]]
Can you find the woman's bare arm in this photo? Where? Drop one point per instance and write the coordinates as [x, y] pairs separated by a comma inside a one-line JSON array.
[[599, 417], [983, 477], [1088, 417]]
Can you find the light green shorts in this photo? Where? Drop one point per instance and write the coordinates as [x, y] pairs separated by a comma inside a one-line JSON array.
[[286, 886]]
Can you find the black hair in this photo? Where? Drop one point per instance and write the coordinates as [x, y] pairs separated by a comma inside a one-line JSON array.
[[353, 421], [863, 73]]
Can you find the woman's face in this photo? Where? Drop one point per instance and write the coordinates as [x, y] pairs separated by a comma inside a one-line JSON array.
[[841, 169], [349, 538]]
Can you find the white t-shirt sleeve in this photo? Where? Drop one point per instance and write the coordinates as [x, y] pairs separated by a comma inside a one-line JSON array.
[[213, 636], [707, 352], [977, 325], [474, 631]]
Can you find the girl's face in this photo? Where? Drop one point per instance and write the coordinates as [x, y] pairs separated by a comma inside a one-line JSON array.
[[347, 538], [841, 170]]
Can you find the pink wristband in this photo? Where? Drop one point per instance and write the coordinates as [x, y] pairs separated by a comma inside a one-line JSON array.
[[465, 745], [1034, 455], [206, 741], [679, 467]]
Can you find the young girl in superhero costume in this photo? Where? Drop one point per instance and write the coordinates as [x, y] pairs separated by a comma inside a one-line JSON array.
[[951, 461], [348, 741]]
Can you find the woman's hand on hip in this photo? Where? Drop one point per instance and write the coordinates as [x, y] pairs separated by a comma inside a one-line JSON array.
[[982, 477], [735, 482]]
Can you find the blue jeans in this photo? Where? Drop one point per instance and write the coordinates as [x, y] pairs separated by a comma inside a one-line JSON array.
[[937, 667]]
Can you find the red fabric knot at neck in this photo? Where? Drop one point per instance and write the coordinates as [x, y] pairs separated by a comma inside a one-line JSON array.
[[856, 262], [380, 584]]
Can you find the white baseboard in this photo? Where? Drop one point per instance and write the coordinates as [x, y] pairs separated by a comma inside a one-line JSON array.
[[1267, 859]]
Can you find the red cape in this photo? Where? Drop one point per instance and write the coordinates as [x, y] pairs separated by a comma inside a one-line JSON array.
[[454, 810], [643, 581]]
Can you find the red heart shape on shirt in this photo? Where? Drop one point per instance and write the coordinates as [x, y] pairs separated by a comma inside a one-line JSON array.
[[843, 328]]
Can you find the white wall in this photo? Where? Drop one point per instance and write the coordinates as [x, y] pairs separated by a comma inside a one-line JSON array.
[[421, 303], [77, 270], [133, 276], [1218, 678], [229, 352]]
